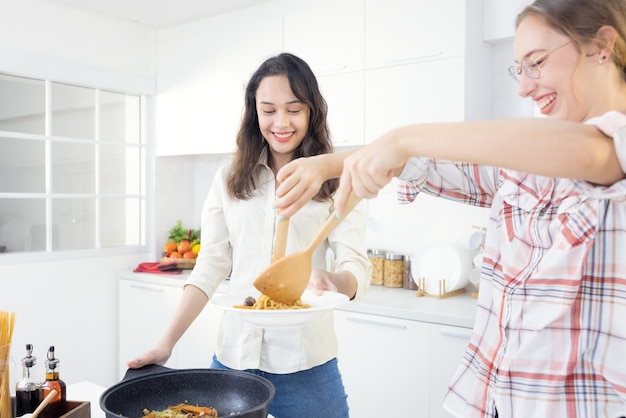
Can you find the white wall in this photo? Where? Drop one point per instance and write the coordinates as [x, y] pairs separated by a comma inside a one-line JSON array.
[[71, 304], [50, 41]]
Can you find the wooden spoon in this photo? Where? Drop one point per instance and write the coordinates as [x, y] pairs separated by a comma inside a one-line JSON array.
[[280, 242], [285, 279]]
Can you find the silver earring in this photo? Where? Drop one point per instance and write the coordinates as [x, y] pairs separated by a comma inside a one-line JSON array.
[[601, 60]]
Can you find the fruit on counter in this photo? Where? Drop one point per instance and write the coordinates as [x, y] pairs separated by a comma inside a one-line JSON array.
[[190, 254], [170, 247], [182, 242], [179, 233], [184, 246]]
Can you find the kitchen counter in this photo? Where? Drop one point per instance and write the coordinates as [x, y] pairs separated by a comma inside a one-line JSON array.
[[458, 310]]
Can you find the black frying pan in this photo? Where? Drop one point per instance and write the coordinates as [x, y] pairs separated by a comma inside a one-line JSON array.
[[231, 392]]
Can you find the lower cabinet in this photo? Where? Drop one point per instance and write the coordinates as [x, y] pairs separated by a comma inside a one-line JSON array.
[[396, 367], [146, 309]]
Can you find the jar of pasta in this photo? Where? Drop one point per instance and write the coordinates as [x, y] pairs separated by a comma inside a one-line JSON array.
[[377, 258], [393, 270]]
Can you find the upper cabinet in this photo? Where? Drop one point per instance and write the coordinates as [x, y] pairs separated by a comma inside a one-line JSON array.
[[500, 18], [327, 35], [379, 64], [202, 71], [424, 64], [401, 32]]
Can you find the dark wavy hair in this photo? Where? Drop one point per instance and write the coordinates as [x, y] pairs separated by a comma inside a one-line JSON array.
[[581, 19], [250, 141]]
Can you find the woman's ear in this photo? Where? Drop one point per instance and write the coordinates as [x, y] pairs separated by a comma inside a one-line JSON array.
[[605, 41]]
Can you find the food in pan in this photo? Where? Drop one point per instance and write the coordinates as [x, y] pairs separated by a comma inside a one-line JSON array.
[[266, 303], [182, 410]]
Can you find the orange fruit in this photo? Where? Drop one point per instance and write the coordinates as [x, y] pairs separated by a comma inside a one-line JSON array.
[[189, 254], [176, 254], [184, 246], [170, 247]]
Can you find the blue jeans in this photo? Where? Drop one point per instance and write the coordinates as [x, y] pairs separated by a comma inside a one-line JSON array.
[[313, 393]]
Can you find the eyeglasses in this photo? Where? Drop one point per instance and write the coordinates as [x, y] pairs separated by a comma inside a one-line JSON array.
[[532, 65]]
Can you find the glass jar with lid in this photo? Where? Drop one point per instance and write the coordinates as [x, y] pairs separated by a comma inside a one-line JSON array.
[[394, 270], [377, 258]]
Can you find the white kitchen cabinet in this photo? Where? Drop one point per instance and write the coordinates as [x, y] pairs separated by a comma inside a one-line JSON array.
[[396, 366], [146, 307], [202, 70], [500, 18], [399, 32], [424, 64], [431, 91], [328, 35], [447, 347], [345, 96], [384, 364]]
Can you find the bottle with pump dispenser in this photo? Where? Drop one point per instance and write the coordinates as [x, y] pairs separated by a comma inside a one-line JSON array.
[[57, 405], [27, 388]]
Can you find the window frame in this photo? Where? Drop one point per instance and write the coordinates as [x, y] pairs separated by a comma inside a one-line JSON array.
[[144, 147]]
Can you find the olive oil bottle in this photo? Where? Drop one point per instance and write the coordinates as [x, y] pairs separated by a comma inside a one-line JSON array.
[[57, 406]]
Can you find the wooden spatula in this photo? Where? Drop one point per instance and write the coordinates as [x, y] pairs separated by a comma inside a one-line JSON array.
[[286, 278], [280, 242]]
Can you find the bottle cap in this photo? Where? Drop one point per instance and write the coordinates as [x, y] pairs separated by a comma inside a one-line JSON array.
[[52, 362], [29, 360]]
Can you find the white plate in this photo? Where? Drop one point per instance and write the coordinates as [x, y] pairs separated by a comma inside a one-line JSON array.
[[281, 318], [441, 261]]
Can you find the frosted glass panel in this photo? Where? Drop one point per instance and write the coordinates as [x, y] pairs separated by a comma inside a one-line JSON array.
[[119, 117], [22, 166], [73, 111], [22, 105], [22, 225], [74, 224], [120, 221], [119, 168], [73, 167]]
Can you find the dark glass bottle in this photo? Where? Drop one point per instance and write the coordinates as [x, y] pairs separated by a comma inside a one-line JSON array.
[[56, 407], [27, 388]]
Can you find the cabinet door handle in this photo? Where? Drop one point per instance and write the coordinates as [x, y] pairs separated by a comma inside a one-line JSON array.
[[152, 289], [378, 323], [466, 335]]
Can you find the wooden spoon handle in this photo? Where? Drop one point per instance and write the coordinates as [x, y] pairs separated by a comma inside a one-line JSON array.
[[44, 403], [332, 221], [280, 242]]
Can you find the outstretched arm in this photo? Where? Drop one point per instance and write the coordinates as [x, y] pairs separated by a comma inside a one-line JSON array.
[[541, 146]]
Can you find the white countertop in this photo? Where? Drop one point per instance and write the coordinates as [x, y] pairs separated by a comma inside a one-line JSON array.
[[458, 310]]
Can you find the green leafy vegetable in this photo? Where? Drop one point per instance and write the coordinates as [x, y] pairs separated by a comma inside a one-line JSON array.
[[179, 233]]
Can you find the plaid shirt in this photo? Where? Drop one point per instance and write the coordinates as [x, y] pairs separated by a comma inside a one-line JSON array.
[[550, 333]]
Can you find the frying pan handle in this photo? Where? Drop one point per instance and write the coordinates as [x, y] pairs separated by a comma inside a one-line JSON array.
[[144, 371]]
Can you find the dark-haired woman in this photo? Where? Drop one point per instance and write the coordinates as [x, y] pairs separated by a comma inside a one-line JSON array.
[[284, 119]]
